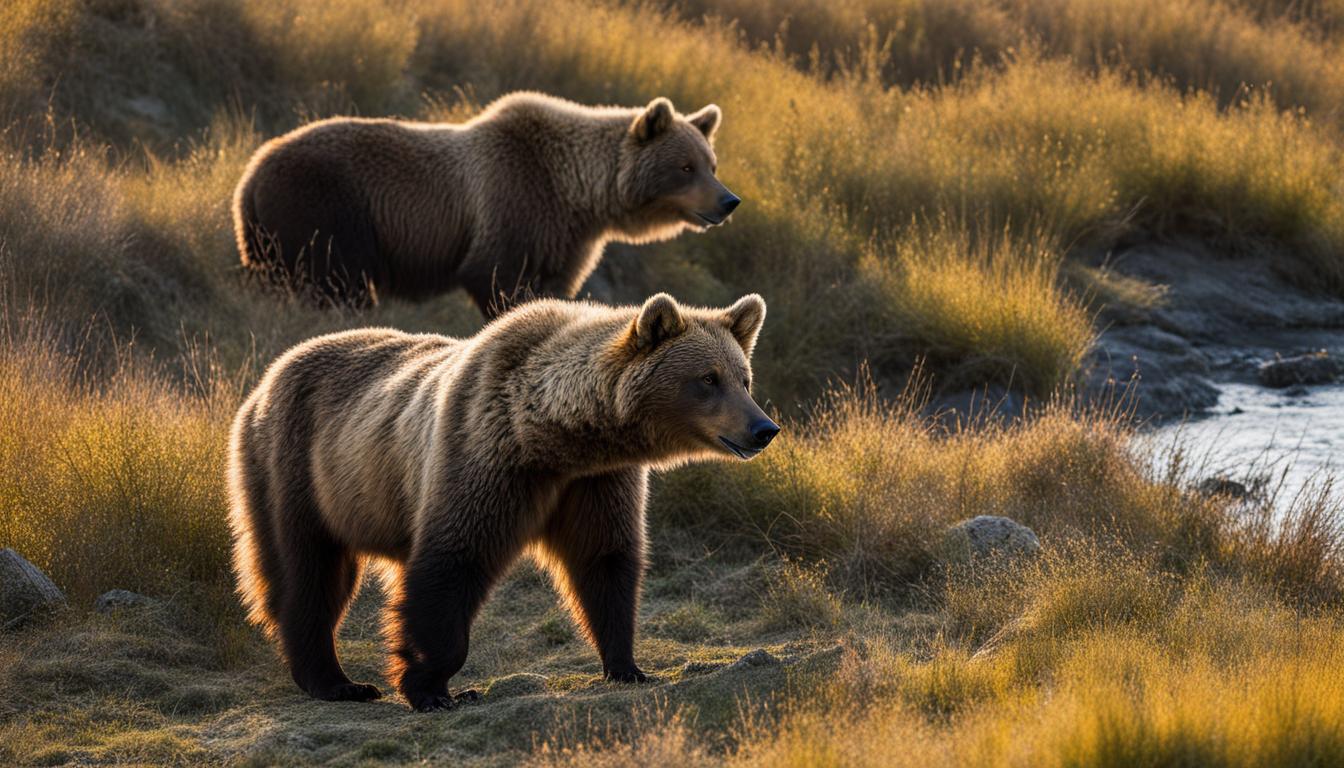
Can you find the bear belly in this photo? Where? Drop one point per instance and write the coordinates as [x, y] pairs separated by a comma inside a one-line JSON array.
[[361, 501]]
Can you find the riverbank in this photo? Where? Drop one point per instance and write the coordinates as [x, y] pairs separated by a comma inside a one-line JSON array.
[[1216, 320]]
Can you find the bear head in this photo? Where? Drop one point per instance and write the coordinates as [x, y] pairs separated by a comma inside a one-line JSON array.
[[667, 179], [687, 379]]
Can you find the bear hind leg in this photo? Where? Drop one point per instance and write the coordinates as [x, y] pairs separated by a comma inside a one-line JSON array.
[[320, 579]]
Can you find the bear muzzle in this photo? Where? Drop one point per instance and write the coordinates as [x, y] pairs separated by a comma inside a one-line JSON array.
[[762, 431], [727, 203]]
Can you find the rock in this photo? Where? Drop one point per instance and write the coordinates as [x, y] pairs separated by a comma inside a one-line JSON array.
[[1222, 486], [757, 658], [24, 590], [988, 535], [991, 403], [115, 599], [1159, 372], [1216, 318], [1314, 368], [519, 684]]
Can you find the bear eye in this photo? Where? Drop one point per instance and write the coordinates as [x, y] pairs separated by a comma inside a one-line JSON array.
[[710, 379], [687, 168]]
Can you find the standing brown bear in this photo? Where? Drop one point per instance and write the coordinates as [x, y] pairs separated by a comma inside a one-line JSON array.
[[518, 201], [446, 458]]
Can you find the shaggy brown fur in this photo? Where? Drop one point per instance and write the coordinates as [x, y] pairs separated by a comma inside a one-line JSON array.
[[518, 201], [446, 458]]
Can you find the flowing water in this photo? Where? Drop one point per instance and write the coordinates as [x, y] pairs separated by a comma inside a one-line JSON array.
[[1294, 436]]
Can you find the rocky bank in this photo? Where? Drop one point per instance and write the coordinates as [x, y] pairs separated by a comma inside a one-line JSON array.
[[1222, 319]]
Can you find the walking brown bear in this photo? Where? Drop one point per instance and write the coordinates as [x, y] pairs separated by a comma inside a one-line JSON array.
[[447, 458], [519, 201]]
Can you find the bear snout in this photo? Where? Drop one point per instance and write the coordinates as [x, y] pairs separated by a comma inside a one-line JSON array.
[[728, 203], [763, 432]]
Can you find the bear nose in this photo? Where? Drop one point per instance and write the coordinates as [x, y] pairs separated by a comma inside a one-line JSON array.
[[728, 202], [764, 431]]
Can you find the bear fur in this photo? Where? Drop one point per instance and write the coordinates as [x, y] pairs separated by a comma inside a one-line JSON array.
[[519, 201], [444, 459]]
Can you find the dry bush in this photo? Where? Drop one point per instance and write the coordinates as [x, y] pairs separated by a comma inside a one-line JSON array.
[[115, 483]]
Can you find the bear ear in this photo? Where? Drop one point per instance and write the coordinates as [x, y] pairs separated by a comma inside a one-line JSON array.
[[707, 120], [744, 320], [659, 320], [654, 120]]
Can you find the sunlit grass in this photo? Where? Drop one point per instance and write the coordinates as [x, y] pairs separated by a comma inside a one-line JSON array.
[[996, 309], [1159, 673], [918, 179], [842, 178], [116, 484]]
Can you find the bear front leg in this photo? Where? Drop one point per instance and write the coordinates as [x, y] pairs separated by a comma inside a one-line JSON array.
[[595, 544], [440, 596]]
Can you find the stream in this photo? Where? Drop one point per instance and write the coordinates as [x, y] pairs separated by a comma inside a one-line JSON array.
[[1294, 436]]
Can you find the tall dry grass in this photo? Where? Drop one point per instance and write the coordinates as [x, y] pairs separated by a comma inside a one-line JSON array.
[[918, 179], [869, 484], [1110, 664], [1214, 45], [115, 481]]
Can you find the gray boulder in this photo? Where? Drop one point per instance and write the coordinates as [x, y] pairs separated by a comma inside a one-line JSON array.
[[757, 658], [1314, 368], [24, 590], [989, 535], [115, 599]]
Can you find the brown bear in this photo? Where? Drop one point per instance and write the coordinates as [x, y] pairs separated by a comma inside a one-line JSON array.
[[516, 202], [444, 459]]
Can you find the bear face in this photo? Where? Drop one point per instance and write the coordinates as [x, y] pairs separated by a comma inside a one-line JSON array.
[[668, 168], [690, 379]]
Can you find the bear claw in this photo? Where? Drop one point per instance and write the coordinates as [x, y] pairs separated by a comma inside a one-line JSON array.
[[632, 675]]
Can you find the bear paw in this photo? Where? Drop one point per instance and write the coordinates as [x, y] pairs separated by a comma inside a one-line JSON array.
[[630, 674], [348, 692], [429, 702]]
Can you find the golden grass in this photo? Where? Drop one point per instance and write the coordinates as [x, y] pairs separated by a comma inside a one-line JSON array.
[[869, 485], [114, 484], [1195, 673], [351, 51], [1215, 45], [996, 310], [1121, 701], [902, 201]]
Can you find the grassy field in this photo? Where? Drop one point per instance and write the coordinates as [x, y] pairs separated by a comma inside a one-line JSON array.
[[922, 183]]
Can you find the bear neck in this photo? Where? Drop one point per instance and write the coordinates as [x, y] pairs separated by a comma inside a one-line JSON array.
[[569, 413], [580, 152]]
